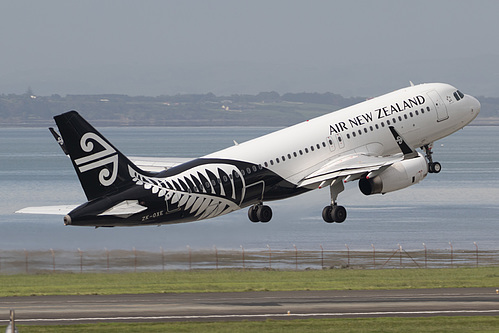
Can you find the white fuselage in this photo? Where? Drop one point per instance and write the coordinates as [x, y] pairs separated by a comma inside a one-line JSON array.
[[299, 150]]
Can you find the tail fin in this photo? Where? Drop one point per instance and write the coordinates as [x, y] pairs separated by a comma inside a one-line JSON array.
[[101, 168]]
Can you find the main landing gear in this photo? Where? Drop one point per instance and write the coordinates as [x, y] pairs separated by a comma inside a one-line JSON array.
[[260, 213], [333, 212], [433, 167]]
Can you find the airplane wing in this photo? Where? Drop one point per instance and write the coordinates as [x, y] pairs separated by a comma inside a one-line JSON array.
[[156, 164], [354, 166], [349, 167]]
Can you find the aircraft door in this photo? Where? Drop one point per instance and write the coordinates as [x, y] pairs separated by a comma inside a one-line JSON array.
[[441, 108]]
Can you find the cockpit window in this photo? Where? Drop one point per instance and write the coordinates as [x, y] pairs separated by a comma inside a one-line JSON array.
[[458, 95]]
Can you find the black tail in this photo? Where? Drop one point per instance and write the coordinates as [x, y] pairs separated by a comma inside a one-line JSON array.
[[101, 168]]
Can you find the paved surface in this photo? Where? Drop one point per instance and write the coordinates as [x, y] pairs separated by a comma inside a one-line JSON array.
[[250, 306]]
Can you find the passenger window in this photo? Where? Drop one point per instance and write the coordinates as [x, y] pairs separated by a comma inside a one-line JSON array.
[[348, 136], [400, 118], [388, 122], [416, 112], [428, 109], [312, 148], [301, 152], [306, 150]]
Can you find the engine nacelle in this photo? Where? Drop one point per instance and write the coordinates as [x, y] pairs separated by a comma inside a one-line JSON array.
[[397, 176]]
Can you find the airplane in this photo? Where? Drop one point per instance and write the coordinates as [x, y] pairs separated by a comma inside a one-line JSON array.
[[373, 142]]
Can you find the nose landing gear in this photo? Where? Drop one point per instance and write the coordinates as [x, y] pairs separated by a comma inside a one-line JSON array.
[[433, 167]]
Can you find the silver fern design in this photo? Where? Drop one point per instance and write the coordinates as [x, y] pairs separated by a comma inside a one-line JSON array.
[[205, 191]]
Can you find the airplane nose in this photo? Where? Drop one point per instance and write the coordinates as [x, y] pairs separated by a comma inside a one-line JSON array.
[[475, 106]]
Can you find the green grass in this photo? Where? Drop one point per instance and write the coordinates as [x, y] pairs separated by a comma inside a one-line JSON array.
[[249, 280], [434, 324]]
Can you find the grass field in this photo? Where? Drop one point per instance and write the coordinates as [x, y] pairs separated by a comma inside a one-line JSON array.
[[249, 280], [435, 324], [256, 280]]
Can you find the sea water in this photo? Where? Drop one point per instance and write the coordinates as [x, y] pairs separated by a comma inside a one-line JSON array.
[[458, 206]]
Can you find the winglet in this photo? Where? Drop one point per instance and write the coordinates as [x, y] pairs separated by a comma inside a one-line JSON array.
[[404, 147]]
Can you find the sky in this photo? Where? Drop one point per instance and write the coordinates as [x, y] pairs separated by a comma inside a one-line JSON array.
[[152, 47]]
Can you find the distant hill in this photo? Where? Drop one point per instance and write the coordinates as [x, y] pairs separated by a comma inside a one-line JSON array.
[[263, 109]]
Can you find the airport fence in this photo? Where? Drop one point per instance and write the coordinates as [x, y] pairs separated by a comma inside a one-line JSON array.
[[39, 261]]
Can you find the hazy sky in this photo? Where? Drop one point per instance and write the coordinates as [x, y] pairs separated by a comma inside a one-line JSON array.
[[355, 48]]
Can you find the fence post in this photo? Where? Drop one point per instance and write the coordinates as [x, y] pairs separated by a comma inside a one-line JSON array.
[[270, 256], [451, 255], [244, 266], [216, 256], [400, 255], [425, 257], [53, 260], [374, 255], [26, 260], [296, 257], [322, 256], [348, 255], [162, 258], [107, 258], [476, 247], [81, 260]]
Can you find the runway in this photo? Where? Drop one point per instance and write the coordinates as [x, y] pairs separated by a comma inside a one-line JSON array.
[[44, 310]]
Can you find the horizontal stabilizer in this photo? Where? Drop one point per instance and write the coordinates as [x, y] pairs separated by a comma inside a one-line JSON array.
[[125, 209], [48, 210]]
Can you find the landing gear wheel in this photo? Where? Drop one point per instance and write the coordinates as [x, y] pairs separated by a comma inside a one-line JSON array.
[[334, 213], [339, 214], [434, 167], [252, 214], [264, 213], [326, 214]]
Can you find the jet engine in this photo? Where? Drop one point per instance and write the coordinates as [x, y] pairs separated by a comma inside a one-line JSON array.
[[397, 176]]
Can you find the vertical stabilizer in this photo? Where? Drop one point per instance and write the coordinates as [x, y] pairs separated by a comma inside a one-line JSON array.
[[101, 168]]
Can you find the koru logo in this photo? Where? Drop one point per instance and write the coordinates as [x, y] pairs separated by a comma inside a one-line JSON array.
[[98, 159], [399, 140]]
